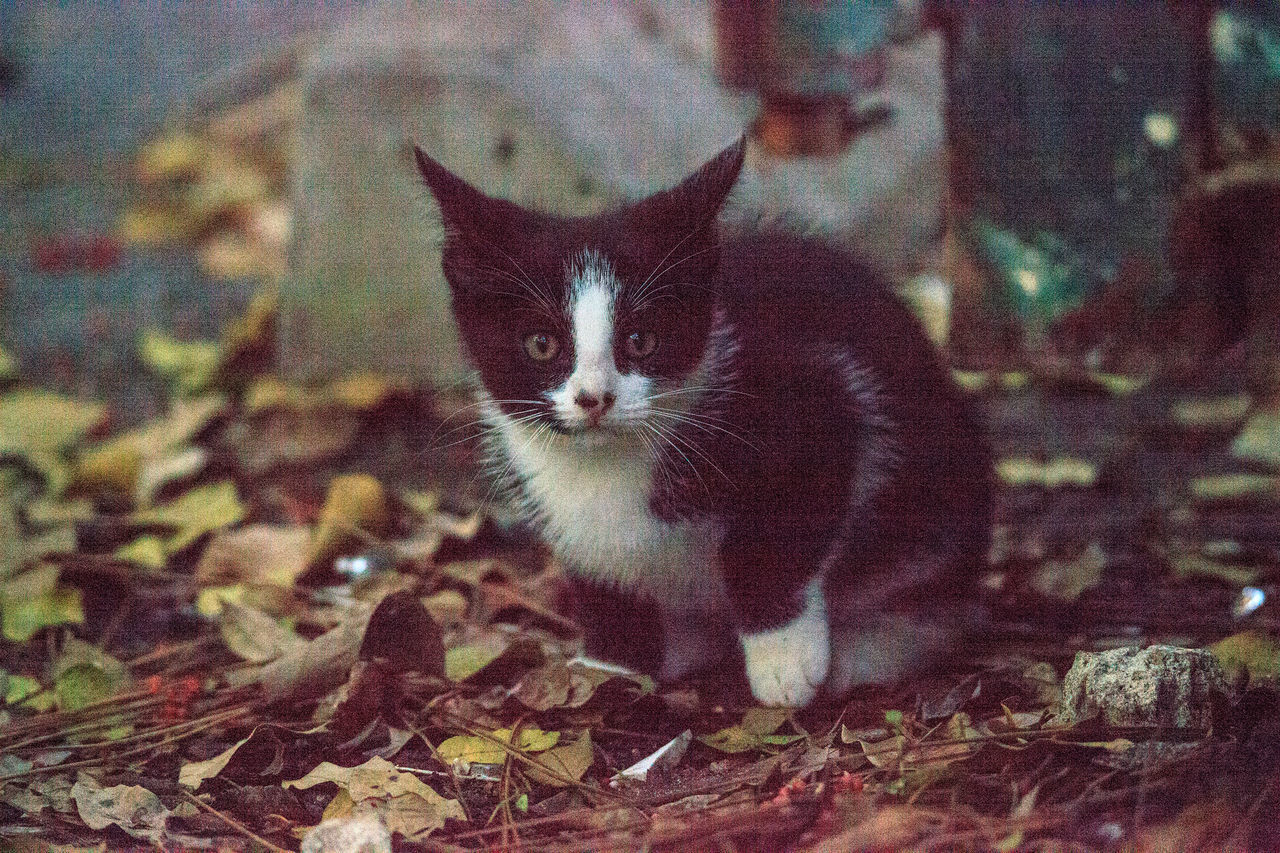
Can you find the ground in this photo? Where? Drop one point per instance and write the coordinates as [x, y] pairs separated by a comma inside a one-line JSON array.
[[269, 606]]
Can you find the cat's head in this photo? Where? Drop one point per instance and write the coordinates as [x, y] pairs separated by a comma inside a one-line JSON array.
[[591, 326]]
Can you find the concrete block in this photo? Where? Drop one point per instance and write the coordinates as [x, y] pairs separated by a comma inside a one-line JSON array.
[[568, 106]]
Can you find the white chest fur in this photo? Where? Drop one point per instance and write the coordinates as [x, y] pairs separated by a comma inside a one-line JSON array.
[[592, 502]]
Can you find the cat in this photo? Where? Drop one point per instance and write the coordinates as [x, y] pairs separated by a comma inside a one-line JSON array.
[[739, 447]]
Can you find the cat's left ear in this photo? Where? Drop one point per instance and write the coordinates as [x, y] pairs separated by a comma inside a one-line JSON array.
[[691, 206]]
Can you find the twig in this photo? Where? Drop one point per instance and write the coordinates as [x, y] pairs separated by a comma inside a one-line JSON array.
[[233, 823]]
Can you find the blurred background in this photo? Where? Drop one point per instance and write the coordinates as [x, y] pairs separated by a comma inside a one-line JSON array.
[[1065, 190]]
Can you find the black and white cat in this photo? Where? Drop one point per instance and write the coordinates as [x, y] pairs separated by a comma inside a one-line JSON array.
[[734, 446]]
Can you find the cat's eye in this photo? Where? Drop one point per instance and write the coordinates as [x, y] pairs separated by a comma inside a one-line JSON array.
[[541, 347], [641, 344]]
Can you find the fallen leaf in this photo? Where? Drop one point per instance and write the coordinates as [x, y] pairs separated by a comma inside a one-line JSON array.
[[193, 774], [1205, 414], [495, 660], [1254, 652], [448, 607], [755, 731], [558, 684], [188, 366], [255, 554], [664, 758], [885, 753], [1233, 488], [8, 366], [133, 808], [34, 600], [404, 636], [474, 749], [1259, 441], [568, 762], [17, 688], [146, 551], [322, 663], [355, 510], [84, 675], [254, 636], [378, 786], [195, 513], [1067, 579], [1189, 564], [178, 155], [1119, 385], [1056, 474], [39, 426]]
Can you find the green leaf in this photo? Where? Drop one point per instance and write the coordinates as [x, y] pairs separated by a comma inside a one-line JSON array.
[[39, 426], [755, 731], [33, 600], [18, 688]]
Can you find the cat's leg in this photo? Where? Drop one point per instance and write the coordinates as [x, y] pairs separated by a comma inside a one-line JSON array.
[[618, 627], [782, 614], [692, 641]]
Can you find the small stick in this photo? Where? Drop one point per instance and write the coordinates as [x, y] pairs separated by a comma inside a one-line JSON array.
[[234, 824]]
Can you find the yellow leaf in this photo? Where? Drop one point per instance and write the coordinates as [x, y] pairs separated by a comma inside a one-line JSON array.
[[355, 509], [1259, 441], [570, 761], [1213, 488], [755, 731], [462, 662], [113, 467], [152, 225], [1210, 413], [1255, 652], [146, 551], [474, 749], [1119, 385], [188, 365], [363, 392], [177, 155], [8, 367], [211, 599], [195, 513]]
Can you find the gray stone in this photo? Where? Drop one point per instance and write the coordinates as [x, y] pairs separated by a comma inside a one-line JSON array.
[[564, 106], [1163, 686]]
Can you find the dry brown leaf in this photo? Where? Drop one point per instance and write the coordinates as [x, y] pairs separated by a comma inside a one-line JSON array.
[[257, 554], [321, 664]]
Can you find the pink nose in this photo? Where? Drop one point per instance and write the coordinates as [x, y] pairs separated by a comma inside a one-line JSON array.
[[594, 406]]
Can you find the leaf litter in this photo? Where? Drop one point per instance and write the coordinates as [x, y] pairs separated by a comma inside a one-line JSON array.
[[237, 627]]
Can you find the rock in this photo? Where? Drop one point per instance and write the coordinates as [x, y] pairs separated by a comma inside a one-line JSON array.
[[1163, 686], [360, 834], [569, 107]]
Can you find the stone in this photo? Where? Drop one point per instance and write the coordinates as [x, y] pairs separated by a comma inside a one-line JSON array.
[[1162, 686], [569, 107]]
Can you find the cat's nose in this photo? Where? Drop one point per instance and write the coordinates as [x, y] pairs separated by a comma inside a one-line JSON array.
[[594, 405]]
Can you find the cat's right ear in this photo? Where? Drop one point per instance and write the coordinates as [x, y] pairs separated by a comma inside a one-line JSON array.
[[462, 206]]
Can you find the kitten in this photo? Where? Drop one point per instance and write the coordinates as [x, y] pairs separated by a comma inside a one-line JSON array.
[[739, 447]]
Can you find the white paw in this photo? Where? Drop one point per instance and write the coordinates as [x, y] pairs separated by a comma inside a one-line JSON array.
[[786, 666]]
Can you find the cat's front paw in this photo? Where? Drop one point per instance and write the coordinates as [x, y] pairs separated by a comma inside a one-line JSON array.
[[786, 666]]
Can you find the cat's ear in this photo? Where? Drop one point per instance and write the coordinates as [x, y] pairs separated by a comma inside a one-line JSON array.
[[692, 206], [467, 213]]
